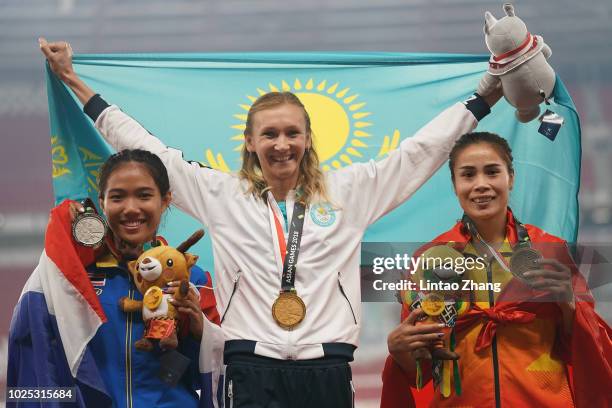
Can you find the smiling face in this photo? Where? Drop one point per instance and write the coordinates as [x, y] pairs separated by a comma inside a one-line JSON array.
[[133, 205], [482, 182], [279, 139]]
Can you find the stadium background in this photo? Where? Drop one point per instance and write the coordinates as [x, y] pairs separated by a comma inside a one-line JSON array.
[[579, 34]]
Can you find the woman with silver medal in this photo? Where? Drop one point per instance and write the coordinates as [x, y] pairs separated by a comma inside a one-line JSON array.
[[133, 195], [290, 326]]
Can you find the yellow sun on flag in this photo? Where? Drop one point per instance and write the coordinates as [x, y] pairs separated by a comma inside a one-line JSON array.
[[339, 121]]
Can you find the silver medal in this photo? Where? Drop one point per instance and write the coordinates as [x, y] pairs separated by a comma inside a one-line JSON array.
[[89, 229]]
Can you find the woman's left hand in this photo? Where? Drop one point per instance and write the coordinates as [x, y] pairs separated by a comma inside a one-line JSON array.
[[190, 306], [556, 279]]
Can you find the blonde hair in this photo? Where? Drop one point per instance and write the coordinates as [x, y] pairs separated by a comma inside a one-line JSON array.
[[311, 181]]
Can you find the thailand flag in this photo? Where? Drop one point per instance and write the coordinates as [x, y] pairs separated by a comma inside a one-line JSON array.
[[58, 313], [211, 363]]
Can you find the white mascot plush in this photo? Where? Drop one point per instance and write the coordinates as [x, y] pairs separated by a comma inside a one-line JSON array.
[[518, 60]]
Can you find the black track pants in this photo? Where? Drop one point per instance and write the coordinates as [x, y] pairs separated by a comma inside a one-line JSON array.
[[258, 382]]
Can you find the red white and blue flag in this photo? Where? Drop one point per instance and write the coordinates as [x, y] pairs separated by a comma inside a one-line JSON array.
[[57, 315]]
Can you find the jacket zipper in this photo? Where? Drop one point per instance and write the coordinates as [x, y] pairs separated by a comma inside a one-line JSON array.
[[494, 341], [230, 393], [128, 353], [229, 302], [347, 299]]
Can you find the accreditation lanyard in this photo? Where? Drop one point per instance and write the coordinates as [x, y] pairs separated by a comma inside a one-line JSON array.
[[290, 250], [521, 232]]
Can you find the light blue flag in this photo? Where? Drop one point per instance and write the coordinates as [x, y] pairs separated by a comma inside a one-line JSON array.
[[361, 104]]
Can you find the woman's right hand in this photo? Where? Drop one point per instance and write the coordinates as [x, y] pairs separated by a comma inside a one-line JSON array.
[[407, 337], [59, 55]]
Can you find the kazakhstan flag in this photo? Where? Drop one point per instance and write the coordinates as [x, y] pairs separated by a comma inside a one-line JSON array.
[[361, 104]]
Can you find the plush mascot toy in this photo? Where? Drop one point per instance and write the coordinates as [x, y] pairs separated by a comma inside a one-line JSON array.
[[518, 60], [152, 272]]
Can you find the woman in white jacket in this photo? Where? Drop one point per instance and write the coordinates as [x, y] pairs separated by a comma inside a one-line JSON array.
[[290, 331]]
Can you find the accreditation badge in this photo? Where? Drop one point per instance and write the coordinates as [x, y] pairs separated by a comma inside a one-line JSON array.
[[288, 310]]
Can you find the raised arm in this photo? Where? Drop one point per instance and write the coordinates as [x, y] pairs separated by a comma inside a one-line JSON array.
[[387, 183], [59, 55], [189, 182]]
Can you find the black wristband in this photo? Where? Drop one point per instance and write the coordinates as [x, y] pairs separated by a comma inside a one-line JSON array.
[[94, 107], [478, 106]]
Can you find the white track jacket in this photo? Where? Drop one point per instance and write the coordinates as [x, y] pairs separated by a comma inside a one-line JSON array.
[[247, 261]]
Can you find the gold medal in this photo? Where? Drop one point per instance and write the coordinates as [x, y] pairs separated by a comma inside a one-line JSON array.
[[153, 298], [288, 310], [433, 304]]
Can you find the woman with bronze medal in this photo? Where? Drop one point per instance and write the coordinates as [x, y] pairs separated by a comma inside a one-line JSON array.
[[286, 237], [514, 344]]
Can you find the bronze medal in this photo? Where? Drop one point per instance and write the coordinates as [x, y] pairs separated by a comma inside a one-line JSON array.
[[524, 259], [288, 310]]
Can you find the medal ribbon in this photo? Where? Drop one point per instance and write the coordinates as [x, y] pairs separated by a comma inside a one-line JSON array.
[[290, 250], [521, 232], [282, 246]]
